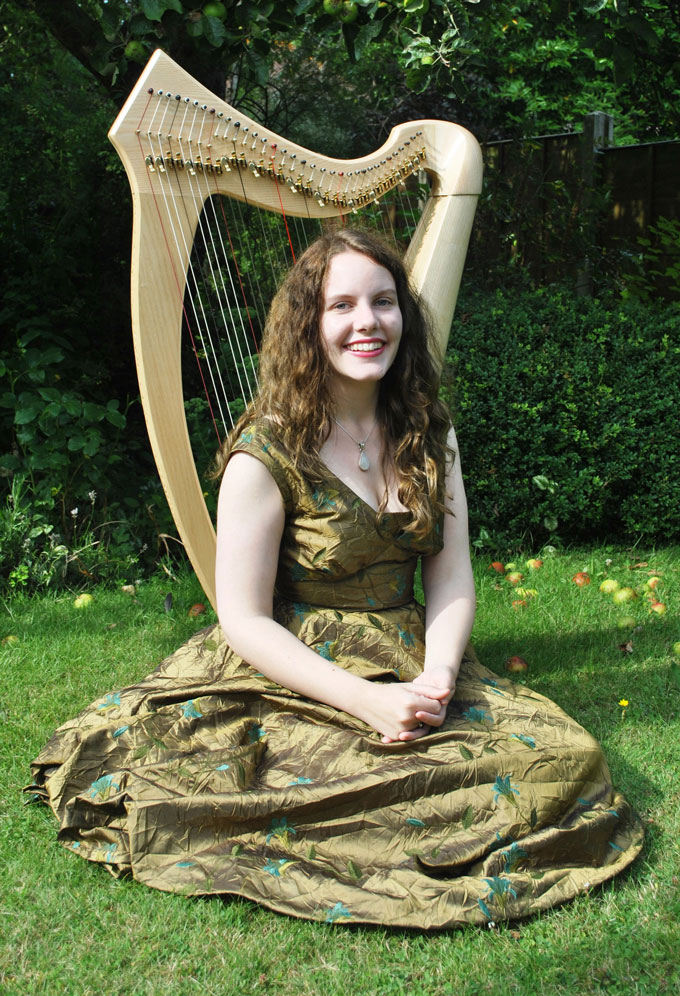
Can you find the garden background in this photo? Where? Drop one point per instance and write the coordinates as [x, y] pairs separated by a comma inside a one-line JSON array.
[[562, 373]]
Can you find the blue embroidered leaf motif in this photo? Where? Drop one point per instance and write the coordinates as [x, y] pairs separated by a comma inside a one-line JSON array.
[[279, 867], [337, 912], [256, 733], [324, 499], [478, 715], [485, 909], [413, 822], [504, 787], [408, 639], [500, 890], [301, 609], [615, 846], [302, 781], [280, 827], [513, 856], [298, 572], [103, 787], [523, 738], [246, 437], [119, 732], [110, 853], [110, 702], [492, 685], [325, 650], [185, 864], [189, 710], [223, 767], [584, 802]]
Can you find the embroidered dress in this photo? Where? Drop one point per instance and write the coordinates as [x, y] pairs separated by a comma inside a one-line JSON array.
[[206, 777]]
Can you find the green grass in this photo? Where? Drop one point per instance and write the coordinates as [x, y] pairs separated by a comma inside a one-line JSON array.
[[66, 927]]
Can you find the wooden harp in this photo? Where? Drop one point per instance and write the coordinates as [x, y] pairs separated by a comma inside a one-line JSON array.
[[180, 146]]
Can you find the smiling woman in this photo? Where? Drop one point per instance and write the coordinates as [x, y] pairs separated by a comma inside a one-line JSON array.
[[333, 749]]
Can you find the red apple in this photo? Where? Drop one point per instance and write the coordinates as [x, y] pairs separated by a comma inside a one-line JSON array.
[[497, 566], [534, 564], [514, 577], [518, 603], [658, 607], [581, 578], [516, 664], [197, 610]]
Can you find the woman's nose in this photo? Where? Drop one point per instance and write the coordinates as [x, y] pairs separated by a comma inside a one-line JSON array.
[[364, 316]]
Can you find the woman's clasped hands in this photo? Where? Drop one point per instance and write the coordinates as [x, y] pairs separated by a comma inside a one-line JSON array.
[[406, 710]]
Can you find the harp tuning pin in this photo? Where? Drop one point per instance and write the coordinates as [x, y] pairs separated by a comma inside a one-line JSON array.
[[150, 90], [178, 96], [224, 162], [149, 164]]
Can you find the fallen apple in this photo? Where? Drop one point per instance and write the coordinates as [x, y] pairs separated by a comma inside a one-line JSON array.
[[511, 567], [196, 610], [658, 607], [581, 578], [497, 566], [676, 649], [626, 622], [527, 592], [516, 664], [622, 595], [609, 586], [81, 601], [533, 564], [514, 577], [519, 603], [9, 640], [652, 583]]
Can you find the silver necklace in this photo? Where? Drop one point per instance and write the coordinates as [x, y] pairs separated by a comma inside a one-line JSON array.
[[364, 462]]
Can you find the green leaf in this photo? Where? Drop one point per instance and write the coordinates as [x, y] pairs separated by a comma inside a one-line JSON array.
[[374, 621], [153, 9], [354, 870], [467, 754], [236, 850], [468, 818], [214, 31], [311, 853]]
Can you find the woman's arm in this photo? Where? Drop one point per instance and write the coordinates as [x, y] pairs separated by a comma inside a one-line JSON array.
[[250, 521], [449, 591]]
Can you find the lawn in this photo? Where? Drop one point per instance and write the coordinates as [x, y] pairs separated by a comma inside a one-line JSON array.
[[68, 928]]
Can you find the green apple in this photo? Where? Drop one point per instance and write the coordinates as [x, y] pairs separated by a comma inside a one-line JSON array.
[[533, 564], [333, 7], [514, 577], [82, 601], [622, 595], [609, 586], [626, 622], [511, 567], [349, 12], [658, 607], [135, 51], [9, 640], [652, 583], [676, 649], [215, 9]]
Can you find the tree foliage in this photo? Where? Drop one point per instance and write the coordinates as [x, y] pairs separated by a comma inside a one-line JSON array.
[[514, 67]]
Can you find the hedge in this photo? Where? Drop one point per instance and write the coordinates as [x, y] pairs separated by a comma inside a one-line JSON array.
[[567, 413]]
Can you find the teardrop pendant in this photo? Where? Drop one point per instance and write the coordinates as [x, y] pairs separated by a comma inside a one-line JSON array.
[[364, 462]]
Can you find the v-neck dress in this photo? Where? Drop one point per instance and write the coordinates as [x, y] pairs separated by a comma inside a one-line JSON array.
[[208, 778]]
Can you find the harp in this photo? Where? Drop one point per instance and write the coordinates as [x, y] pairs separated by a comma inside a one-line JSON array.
[[184, 150]]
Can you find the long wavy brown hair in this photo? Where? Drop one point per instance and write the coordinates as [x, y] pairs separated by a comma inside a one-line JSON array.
[[295, 383]]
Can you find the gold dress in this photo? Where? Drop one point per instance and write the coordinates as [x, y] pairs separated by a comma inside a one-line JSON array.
[[207, 777]]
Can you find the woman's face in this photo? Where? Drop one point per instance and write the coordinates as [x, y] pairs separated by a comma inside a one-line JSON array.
[[361, 320]]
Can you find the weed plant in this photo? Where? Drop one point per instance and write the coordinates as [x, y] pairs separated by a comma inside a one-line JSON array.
[[69, 928]]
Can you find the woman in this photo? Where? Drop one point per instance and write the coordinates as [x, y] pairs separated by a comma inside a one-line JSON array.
[[335, 776]]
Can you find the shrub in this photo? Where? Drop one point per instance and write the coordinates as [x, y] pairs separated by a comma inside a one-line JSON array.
[[566, 411]]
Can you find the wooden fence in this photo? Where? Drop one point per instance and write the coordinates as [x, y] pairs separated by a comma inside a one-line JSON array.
[[572, 204]]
